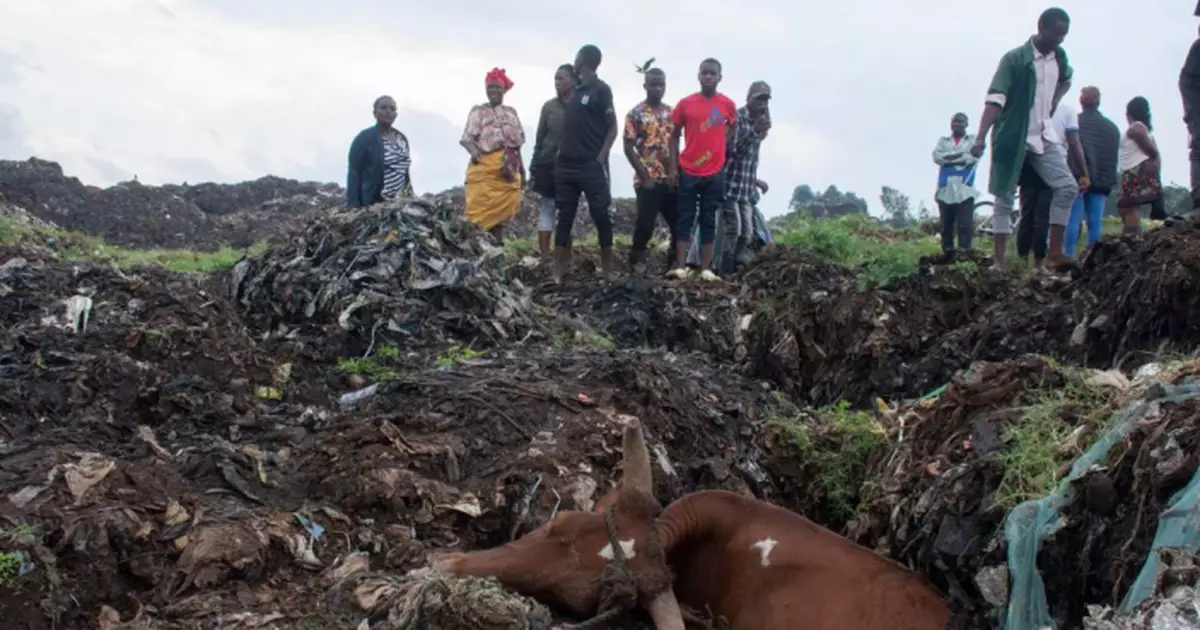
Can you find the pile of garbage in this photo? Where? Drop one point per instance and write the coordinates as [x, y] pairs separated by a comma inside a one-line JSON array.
[[200, 217], [1028, 492], [822, 337], [403, 275]]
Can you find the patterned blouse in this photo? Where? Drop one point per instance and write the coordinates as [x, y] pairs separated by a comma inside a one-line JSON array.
[[493, 128], [396, 161], [650, 130]]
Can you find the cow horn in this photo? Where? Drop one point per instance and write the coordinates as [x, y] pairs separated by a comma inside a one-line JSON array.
[[664, 611], [636, 458]]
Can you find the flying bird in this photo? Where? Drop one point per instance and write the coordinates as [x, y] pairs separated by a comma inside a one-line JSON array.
[[644, 67]]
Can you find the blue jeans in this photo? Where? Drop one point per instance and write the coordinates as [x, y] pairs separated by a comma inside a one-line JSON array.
[[702, 198], [1091, 204]]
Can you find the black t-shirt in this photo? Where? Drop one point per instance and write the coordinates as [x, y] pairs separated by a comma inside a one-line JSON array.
[[585, 122]]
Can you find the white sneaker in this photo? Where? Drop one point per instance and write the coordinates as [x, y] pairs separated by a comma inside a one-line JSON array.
[[678, 273], [708, 276]]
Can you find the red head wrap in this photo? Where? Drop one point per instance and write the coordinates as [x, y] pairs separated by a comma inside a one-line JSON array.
[[498, 75]]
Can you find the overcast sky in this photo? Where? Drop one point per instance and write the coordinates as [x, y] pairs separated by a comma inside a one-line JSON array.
[[226, 90]]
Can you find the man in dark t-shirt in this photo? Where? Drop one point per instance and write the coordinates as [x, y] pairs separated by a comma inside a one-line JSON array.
[[589, 130]]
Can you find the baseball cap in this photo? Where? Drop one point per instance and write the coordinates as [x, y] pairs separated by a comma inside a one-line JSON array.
[[759, 88]]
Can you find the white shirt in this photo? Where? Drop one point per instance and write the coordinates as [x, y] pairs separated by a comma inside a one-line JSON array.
[[1045, 66], [1065, 119], [1131, 154]]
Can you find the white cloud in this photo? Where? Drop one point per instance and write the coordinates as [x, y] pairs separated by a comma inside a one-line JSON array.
[[862, 87]]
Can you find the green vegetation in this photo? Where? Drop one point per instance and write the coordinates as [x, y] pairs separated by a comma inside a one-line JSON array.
[[383, 365], [457, 354], [836, 445], [1047, 436], [883, 255], [12, 561], [74, 246]]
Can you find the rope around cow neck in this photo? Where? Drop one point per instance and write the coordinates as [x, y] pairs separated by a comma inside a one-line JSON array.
[[618, 589]]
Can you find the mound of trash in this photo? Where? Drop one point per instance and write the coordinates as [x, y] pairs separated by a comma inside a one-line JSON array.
[[821, 336], [201, 217], [405, 275], [1028, 492]]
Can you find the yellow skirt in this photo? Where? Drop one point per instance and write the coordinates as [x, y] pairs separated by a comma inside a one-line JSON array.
[[491, 199]]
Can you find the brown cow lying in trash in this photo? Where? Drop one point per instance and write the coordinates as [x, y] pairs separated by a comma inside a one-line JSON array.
[[758, 566], [563, 563]]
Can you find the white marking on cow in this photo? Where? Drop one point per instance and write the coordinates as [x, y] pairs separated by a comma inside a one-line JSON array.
[[764, 548], [626, 548]]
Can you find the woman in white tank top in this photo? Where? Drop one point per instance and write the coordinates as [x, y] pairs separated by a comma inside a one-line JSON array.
[[1138, 162]]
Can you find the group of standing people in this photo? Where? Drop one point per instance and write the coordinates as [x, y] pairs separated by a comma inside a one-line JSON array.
[[714, 173], [1063, 163]]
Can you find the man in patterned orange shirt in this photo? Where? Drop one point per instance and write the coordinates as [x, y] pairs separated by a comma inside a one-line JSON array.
[[648, 129]]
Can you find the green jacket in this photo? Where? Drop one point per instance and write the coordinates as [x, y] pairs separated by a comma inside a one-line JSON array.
[[1016, 79]]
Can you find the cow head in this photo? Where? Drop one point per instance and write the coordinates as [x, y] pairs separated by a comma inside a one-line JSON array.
[[561, 563]]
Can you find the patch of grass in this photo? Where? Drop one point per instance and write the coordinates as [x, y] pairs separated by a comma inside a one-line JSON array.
[[882, 255], [92, 249], [10, 568], [457, 354], [520, 247], [838, 448], [77, 247], [602, 341], [382, 366], [1037, 444]]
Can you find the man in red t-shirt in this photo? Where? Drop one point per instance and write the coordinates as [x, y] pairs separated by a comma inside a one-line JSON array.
[[705, 120]]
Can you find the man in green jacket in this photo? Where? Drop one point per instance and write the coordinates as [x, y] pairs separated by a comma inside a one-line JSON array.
[[1029, 82]]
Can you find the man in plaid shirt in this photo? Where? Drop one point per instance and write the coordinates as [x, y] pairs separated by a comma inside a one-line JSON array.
[[742, 185]]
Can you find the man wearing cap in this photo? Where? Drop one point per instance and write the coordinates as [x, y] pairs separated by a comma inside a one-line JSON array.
[[742, 185], [1189, 89]]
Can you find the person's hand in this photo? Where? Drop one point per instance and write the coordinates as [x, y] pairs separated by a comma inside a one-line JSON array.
[[645, 181], [977, 149], [672, 178], [762, 185], [1085, 183], [761, 125], [953, 158]]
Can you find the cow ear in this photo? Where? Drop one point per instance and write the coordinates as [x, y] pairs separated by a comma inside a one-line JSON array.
[[636, 458]]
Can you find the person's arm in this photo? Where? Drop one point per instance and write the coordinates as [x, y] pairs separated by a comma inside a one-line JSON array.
[[630, 145], [1189, 82], [610, 118], [944, 153], [543, 128], [358, 153], [731, 124], [1076, 147], [997, 97], [520, 144], [1140, 135], [678, 120], [408, 186], [965, 158], [1065, 75], [744, 137], [471, 131]]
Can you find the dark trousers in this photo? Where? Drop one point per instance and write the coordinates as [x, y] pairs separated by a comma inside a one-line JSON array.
[[590, 179], [651, 202], [957, 218], [1033, 232], [700, 198]]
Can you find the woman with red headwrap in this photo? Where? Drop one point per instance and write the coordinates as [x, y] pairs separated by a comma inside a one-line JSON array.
[[496, 175]]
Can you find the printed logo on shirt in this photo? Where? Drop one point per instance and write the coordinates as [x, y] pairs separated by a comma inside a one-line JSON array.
[[715, 119], [585, 98]]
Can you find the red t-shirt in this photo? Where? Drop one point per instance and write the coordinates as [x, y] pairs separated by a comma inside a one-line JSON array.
[[703, 121]]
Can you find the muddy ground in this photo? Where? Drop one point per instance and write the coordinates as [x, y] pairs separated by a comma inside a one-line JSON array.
[[228, 451]]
